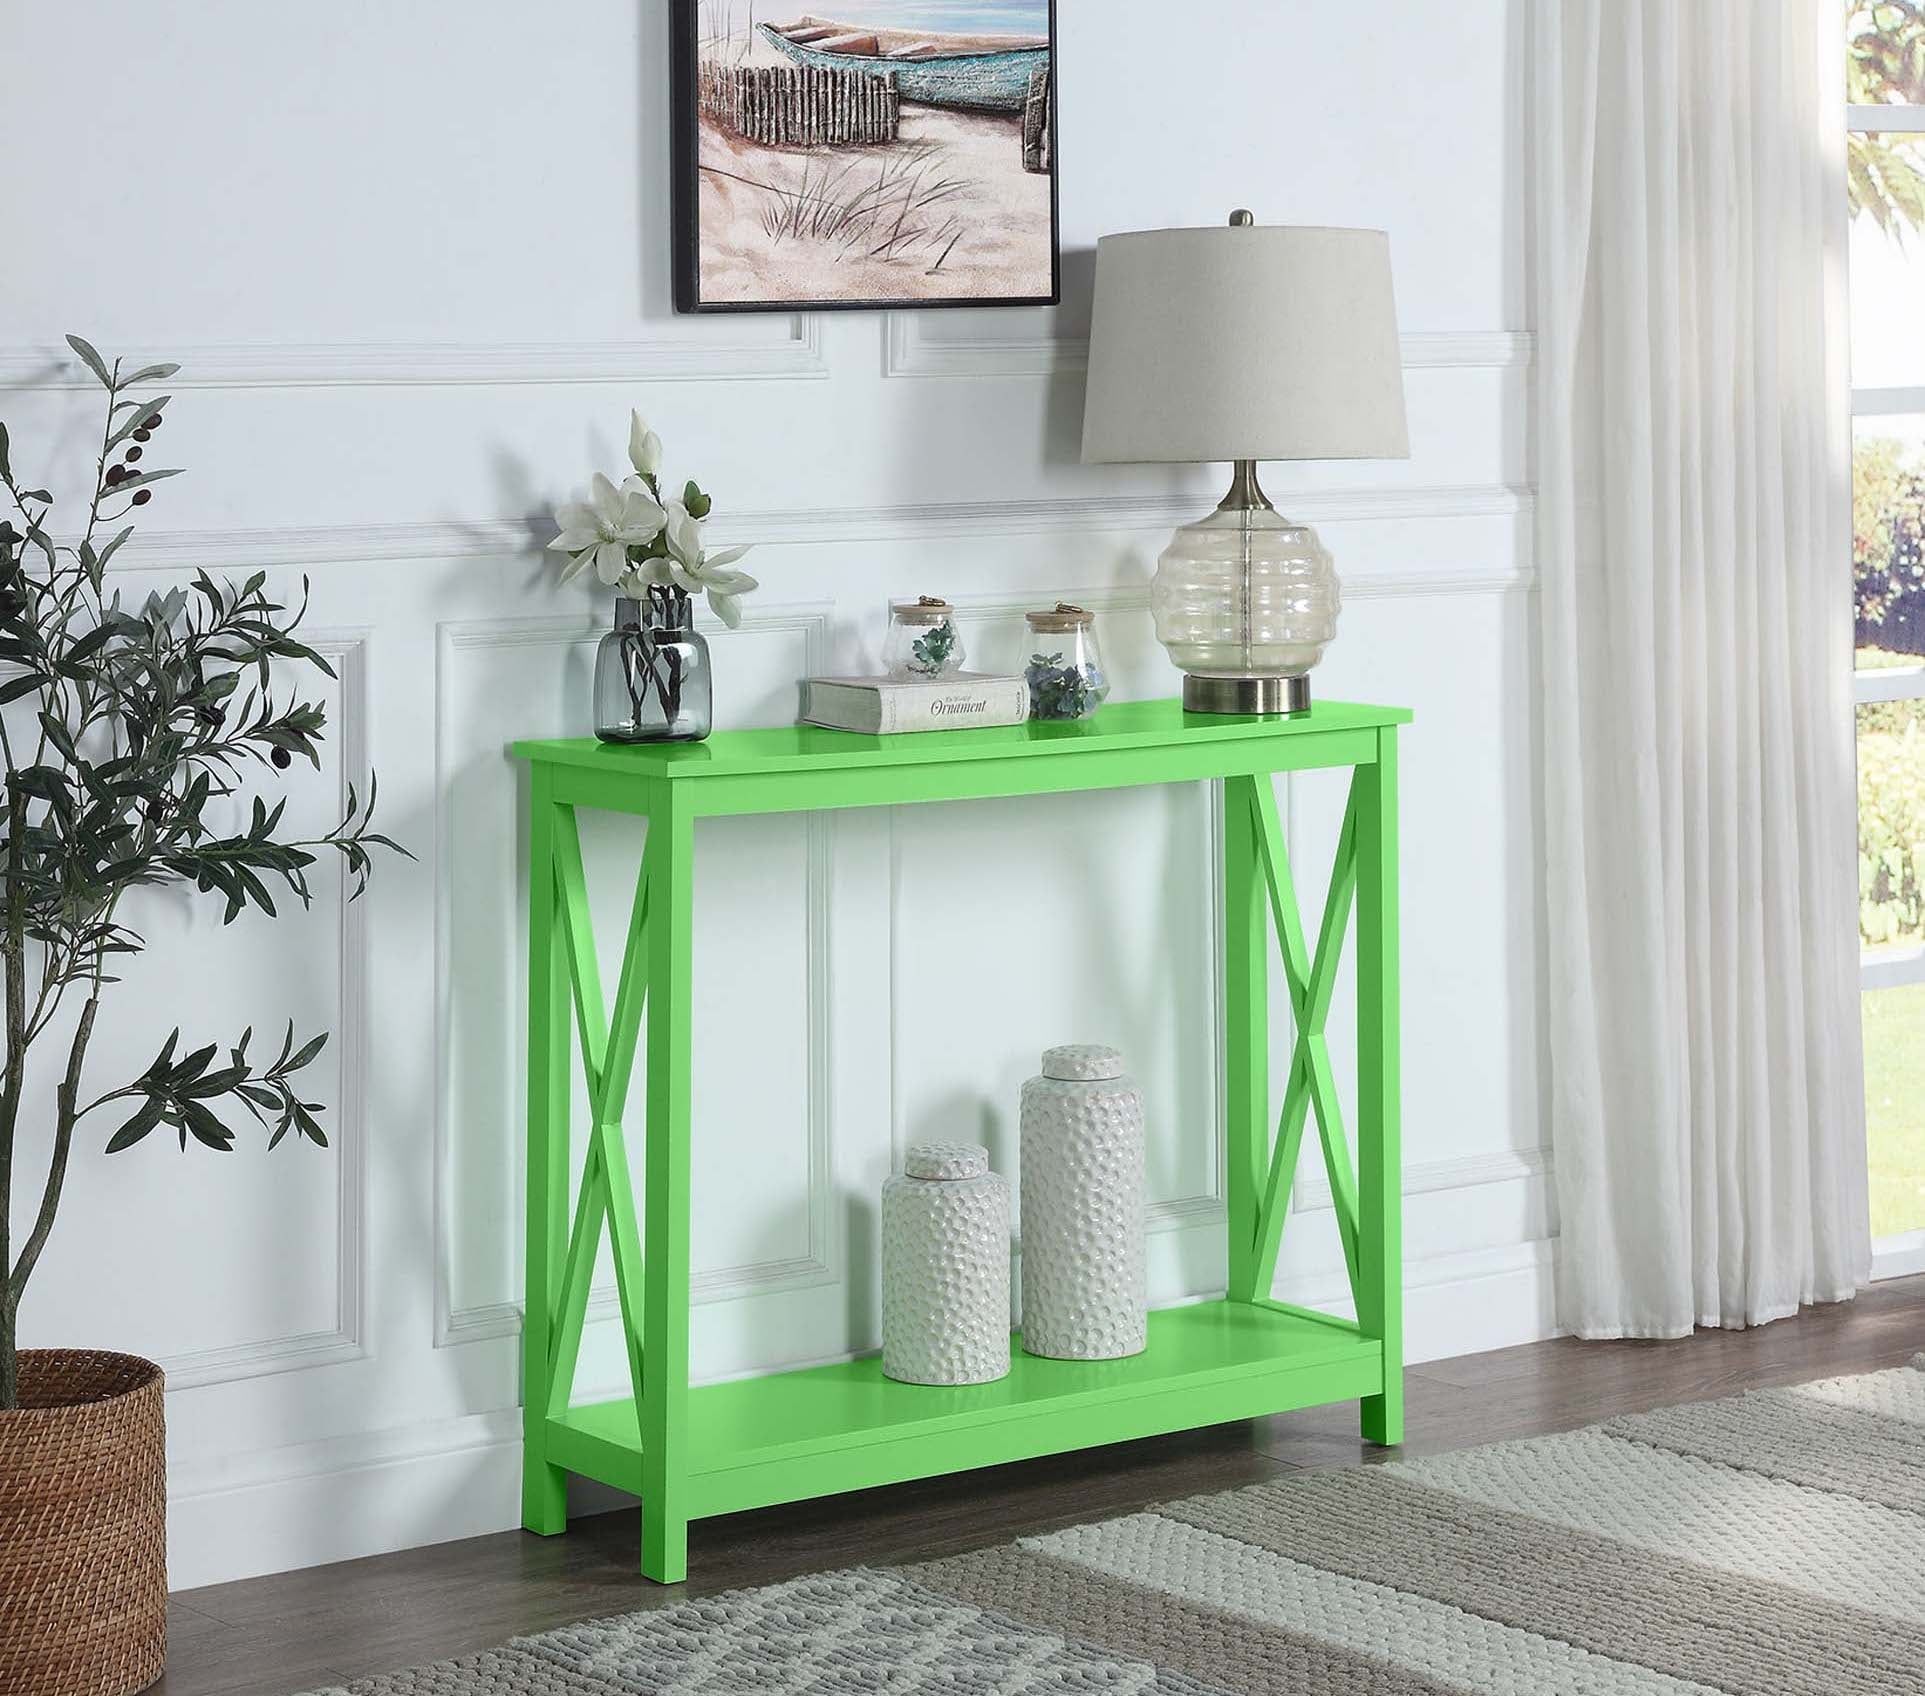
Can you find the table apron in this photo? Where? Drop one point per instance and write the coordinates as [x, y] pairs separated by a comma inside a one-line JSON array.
[[1062, 770]]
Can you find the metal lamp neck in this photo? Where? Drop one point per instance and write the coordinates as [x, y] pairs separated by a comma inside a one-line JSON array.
[[1245, 491]]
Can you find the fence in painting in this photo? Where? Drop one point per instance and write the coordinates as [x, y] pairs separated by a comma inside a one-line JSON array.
[[799, 106], [1036, 126]]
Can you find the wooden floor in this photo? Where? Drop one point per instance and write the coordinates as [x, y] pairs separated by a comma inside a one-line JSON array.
[[327, 1625]]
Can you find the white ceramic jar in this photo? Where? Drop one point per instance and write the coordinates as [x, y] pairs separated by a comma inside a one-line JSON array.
[[1085, 1280], [945, 1268]]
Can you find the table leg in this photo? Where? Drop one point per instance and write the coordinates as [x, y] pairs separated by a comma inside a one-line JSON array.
[[1246, 1034], [665, 1227], [1380, 1294], [544, 1488]]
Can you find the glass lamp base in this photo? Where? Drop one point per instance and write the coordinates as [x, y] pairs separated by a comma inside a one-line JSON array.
[[1246, 695], [1245, 603]]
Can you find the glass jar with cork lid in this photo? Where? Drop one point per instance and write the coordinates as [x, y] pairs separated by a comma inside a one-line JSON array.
[[923, 642], [1065, 668]]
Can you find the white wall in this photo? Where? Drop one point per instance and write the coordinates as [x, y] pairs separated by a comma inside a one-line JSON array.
[[415, 262]]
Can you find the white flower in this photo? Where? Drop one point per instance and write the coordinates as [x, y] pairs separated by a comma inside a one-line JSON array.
[[600, 531], [635, 580], [644, 446], [696, 569]]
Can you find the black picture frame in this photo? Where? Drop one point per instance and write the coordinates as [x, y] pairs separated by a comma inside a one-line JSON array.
[[685, 196]]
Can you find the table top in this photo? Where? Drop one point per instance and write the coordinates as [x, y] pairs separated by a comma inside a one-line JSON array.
[[807, 747]]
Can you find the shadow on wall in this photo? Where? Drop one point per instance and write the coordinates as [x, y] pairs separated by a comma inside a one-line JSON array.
[[1062, 442]]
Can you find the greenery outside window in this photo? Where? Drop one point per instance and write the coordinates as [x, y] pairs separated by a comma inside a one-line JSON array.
[[1885, 62]]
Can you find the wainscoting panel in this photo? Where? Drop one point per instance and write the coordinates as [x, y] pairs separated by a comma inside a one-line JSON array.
[[213, 1318], [762, 1162]]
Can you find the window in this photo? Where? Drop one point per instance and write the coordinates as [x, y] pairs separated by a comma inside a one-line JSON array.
[[1886, 161]]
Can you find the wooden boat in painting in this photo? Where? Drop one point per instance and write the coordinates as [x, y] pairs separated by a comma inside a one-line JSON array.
[[979, 73]]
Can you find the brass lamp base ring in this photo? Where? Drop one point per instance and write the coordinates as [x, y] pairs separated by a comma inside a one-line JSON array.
[[1246, 695]]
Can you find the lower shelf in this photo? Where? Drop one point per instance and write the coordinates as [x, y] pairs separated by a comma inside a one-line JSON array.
[[790, 1436]]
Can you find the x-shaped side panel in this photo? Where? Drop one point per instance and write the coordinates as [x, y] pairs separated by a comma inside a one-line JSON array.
[[608, 1058], [1311, 982]]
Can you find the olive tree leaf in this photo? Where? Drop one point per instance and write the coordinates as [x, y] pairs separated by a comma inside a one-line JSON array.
[[91, 359], [139, 418], [145, 1118], [111, 549], [139, 478]]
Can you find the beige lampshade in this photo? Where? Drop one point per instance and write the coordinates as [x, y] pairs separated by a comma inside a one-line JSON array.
[[1244, 342]]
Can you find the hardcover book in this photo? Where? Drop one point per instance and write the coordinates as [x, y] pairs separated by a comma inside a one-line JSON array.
[[885, 706]]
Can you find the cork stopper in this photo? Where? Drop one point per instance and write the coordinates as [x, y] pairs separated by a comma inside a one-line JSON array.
[[924, 609], [1060, 618], [946, 1161], [1080, 1062]]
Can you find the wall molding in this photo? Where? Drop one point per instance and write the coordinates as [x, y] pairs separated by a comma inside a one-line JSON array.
[[297, 365], [347, 651], [1311, 1192], [479, 1322], [194, 1369], [907, 352], [1115, 514]]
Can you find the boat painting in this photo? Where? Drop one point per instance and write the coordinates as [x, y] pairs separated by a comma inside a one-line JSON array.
[[893, 153], [976, 73]]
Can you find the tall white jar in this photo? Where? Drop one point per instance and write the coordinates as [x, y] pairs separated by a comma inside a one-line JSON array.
[[1085, 1280], [945, 1267]]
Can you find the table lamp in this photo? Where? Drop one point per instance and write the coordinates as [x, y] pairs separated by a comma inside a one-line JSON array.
[[1244, 343]]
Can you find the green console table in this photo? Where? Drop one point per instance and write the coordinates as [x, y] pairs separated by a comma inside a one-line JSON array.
[[694, 1451]]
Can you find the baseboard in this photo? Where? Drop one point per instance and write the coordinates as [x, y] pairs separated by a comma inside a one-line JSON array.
[[311, 1503], [1487, 1298], [273, 1510], [1899, 1257]]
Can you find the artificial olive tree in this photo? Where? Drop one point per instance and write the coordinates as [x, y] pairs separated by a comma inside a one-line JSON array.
[[131, 735]]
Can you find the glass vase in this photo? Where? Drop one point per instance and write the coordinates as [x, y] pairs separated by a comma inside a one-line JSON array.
[[1064, 670], [923, 641], [652, 679]]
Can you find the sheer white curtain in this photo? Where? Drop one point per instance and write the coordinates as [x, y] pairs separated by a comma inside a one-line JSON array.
[[1694, 556]]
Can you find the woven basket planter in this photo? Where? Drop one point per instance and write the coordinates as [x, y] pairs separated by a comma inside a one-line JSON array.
[[83, 1526]]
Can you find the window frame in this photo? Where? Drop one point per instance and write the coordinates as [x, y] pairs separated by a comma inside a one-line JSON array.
[[1902, 964], [1887, 968]]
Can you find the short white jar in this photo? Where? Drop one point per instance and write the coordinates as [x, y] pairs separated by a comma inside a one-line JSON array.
[[945, 1268], [1085, 1272]]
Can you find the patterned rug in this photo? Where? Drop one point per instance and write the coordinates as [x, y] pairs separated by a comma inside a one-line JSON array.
[[1772, 1543]]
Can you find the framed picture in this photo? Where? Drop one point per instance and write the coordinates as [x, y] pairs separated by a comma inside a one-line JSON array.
[[900, 153]]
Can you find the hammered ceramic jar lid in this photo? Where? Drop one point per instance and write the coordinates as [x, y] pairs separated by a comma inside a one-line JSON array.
[[945, 1162], [1081, 1062]]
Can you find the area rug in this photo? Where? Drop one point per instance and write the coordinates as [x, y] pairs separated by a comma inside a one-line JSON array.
[[1771, 1543]]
